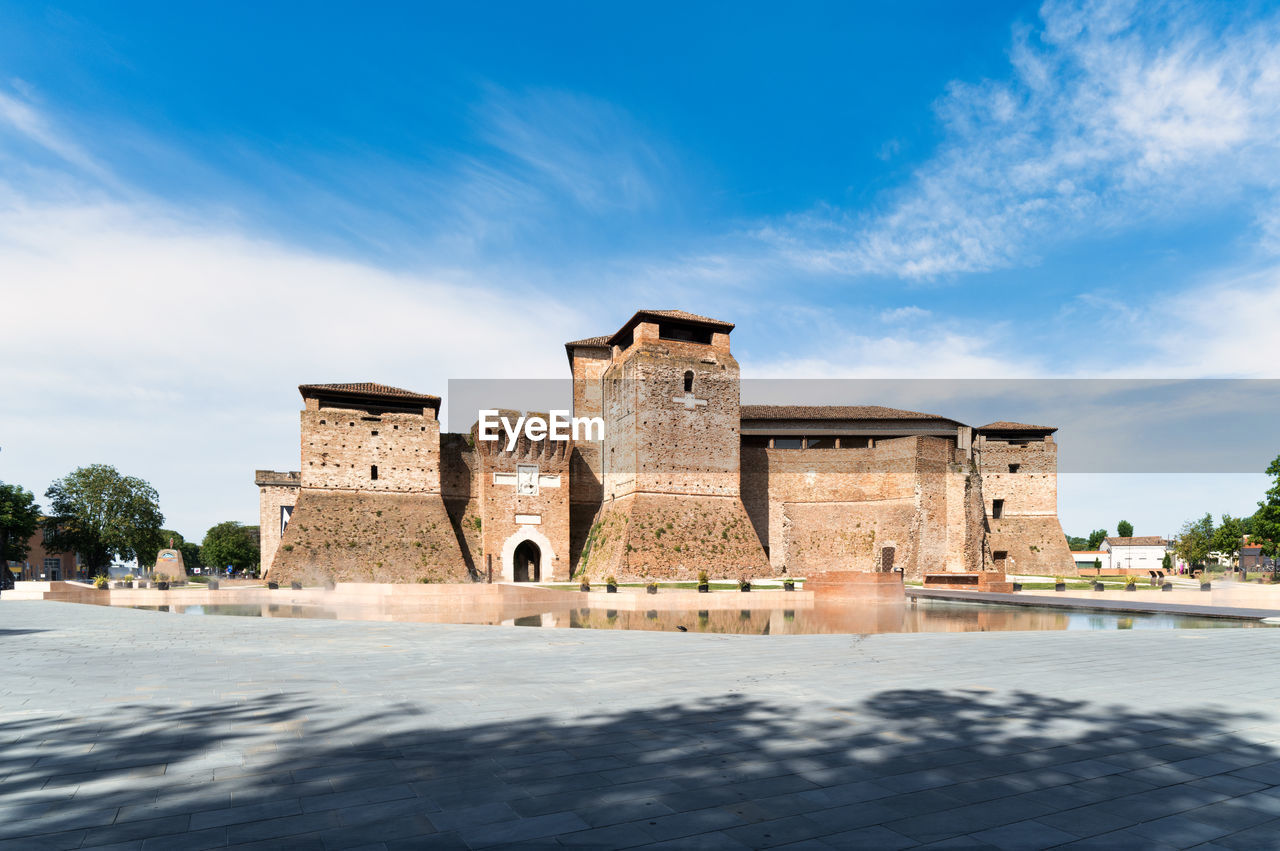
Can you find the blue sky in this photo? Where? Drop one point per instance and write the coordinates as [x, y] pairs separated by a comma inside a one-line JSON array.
[[203, 206]]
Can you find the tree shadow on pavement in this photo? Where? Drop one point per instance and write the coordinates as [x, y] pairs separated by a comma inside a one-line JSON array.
[[900, 768]]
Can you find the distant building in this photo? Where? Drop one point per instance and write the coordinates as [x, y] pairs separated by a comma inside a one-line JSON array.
[[1146, 553], [1252, 559], [1090, 559], [40, 565]]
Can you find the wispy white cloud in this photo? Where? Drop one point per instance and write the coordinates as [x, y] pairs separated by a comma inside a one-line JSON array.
[[172, 343], [1112, 113], [575, 147], [904, 314]]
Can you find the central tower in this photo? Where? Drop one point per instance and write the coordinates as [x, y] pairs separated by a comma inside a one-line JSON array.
[[670, 456]]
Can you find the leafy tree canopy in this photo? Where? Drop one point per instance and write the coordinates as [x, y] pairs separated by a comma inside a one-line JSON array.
[[1227, 537], [1076, 544], [191, 554], [1195, 541], [1096, 537], [1266, 521], [230, 543], [100, 514], [19, 519], [1124, 529]]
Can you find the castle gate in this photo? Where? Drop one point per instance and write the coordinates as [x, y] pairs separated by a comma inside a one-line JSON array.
[[527, 562]]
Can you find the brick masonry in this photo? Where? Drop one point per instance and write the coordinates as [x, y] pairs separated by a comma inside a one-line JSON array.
[[673, 489]]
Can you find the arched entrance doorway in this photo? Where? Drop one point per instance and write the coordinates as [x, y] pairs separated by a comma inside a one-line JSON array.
[[527, 562]]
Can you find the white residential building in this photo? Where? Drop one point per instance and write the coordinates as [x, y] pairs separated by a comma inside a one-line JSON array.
[[1135, 553]]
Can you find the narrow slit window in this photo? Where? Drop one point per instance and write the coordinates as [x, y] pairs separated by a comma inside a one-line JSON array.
[[997, 508], [373, 473], [688, 381]]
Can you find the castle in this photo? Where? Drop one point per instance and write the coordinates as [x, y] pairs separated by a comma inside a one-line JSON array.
[[684, 479]]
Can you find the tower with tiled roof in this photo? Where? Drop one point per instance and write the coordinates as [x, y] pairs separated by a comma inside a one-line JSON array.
[[1019, 467], [671, 504], [369, 505]]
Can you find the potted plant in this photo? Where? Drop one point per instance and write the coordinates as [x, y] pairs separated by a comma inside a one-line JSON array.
[[651, 587], [1206, 582], [585, 585], [213, 585], [704, 582], [1131, 583], [273, 586], [128, 581], [162, 582], [100, 582], [789, 584], [1017, 586], [295, 585], [611, 585], [1098, 586], [1059, 583], [744, 584]]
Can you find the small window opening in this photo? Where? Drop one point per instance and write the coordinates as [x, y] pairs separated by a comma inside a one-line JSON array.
[[1000, 555], [373, 473], [688, 381], [374, 432], [1013, 468], [997, 508]]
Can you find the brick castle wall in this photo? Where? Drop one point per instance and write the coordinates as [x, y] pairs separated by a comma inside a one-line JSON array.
[[275, 489], [822, 510], [1028, 531]]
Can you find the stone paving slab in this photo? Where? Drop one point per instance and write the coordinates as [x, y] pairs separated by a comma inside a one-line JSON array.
[[132, 729]]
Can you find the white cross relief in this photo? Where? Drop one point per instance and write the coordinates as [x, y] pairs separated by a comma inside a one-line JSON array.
[[690, 403]]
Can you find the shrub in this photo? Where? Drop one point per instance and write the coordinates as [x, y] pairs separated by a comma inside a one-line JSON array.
[[703, 579], [611, 582], [99, 581]]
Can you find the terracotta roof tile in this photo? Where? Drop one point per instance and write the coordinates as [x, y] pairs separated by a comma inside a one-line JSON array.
[[683, 315], [832, 412], [365, 388], [1005, 425], [602, 342], [1146, 541]]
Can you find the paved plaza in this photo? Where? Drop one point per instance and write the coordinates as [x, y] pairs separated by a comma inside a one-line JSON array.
[[135, 729]]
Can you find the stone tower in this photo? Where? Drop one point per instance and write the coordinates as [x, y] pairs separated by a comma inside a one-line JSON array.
[[669, 462], [1019, 466], [369, 507]]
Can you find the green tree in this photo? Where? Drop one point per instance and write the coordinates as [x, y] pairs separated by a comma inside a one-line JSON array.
[[19, 519], [1076, 544], [191, 554], [230, 543], [1227, 537], [1096, 537], [147, 557], [1266, 521], [1166, 563], [1124, 529], [1195, 540], [100, 514]]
